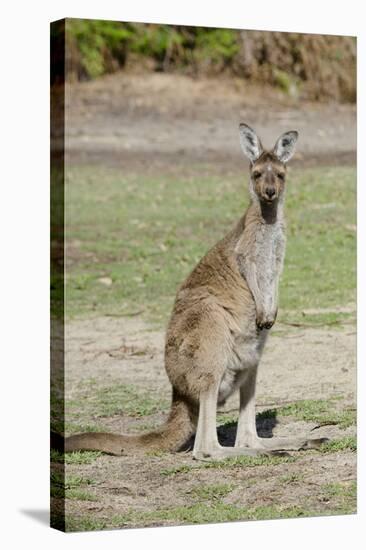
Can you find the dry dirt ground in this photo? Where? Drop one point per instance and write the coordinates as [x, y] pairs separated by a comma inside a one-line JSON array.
[[171, 123], [174, 123]]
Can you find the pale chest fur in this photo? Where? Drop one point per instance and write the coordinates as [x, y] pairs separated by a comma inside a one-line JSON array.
[[268, 255]]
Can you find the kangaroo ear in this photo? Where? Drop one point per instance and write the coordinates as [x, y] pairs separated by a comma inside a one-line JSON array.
[[250, 143], [285, 146]]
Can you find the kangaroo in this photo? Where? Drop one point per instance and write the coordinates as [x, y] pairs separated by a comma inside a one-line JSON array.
[[221, 319]]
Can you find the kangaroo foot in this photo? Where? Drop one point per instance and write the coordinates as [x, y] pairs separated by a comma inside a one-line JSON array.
[[232, 452], [288, 443]]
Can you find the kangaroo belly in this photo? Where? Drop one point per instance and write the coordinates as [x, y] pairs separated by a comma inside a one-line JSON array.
[[244, 356]]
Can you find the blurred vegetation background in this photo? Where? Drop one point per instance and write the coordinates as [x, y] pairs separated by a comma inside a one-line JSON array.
[[308, 66]]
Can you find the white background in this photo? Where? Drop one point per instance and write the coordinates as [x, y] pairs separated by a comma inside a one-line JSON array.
[[24, 246]]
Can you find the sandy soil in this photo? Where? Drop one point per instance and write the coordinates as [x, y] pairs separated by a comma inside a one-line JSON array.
[[297, 363]]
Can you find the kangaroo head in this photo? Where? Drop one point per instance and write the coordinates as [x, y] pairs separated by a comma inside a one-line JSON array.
[[267, 168]]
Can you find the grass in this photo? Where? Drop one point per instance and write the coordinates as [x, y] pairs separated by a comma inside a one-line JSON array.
[[225, 419], [84, 523], [91, 401], [342, 495], [216, 512], [79, 494], [208, 505], [340, 498], [59, 425], [106, 401], [343, 490], [347, 443], [291, 478], [147, 234], [68, 486], [200, 513], [211, 492], [76, 457], [322, 411]]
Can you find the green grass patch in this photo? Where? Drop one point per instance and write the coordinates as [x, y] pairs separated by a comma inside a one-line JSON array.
[[77, 427], [61, 485], [347, 443], [291, 478], [267, 414], [111, 400], [225, 419], [79, 494], [323, 412], [73, 408], [199, 513], [344, 490], [212, 492], [73, 428], [72, 481], [84, 523], [184, 469], [76, 457], [146, 234], [342, 496]]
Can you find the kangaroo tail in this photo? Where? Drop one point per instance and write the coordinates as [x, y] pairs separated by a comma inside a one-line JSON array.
[[171, 436]]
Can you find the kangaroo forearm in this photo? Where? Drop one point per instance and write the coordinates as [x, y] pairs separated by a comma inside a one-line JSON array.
[[274, 299], [265, 299], [248, 272]]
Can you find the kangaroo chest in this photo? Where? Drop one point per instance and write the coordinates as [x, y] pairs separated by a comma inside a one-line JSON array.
[[268, 254]]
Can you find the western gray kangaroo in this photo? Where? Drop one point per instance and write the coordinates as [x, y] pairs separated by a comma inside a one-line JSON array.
[[221, 319]]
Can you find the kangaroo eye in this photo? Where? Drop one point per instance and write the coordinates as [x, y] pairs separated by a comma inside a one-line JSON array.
[[257, 175], [281, 175]]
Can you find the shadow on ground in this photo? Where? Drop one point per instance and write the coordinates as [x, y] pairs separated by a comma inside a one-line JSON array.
[[265, 421]]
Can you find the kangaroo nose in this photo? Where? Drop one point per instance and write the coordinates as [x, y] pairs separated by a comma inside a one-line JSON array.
[[270, 192]]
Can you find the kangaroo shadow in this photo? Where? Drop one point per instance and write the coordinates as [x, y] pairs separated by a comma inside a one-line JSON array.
[[226, 433]]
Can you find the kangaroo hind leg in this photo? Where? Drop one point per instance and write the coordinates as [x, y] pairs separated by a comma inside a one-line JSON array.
[[247, 431], [206, 446]]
